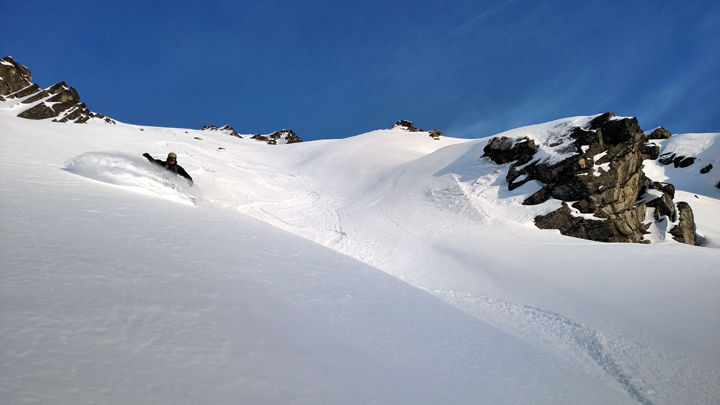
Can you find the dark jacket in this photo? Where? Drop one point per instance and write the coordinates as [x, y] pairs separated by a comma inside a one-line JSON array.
[[176, 168]]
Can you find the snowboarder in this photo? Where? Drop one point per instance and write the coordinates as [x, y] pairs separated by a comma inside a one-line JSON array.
[[170, 164]]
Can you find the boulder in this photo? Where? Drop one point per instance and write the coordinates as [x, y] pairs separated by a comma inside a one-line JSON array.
[[706, 169], [660, 133], [676, 160], [684, 231], [435, 134]]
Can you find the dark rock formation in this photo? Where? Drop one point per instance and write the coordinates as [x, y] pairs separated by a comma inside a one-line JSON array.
[[676, 160], [59, 101], [601, 173], [625, 227], [407, 125], [660, 133], [410, 127], [15, 77], [227, 129], [538, 197], [278, 137], [684, 231], [706, 169], [666, 188], [435, 134]]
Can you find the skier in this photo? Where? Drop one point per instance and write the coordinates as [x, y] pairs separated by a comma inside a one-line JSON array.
[[170, 164]]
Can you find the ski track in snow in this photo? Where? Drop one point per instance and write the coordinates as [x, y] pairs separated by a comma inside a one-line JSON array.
[[622, 359], [468, 194], [547, 328]]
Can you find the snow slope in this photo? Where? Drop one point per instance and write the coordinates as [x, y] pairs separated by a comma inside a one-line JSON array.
[[413, 276]]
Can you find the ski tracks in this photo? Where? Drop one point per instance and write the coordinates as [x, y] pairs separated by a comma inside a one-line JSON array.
[[548, 329], [637, 364]]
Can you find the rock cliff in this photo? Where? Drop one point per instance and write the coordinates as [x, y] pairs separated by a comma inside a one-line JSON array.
[[59, 101], [604, 191]]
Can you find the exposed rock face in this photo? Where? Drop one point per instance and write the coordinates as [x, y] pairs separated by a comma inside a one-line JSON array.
[[227, 129], [602, 175], [684, 231], [60, 102], [282, 136], [407, 125], [15, 77]]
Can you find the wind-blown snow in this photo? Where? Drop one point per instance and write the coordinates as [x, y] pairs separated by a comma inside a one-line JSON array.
[[382, 268]]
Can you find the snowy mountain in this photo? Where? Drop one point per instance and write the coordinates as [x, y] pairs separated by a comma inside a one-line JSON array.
[[389, 267], [59, 101]]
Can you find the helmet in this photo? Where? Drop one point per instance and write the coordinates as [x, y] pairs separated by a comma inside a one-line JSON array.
[[172, 155]]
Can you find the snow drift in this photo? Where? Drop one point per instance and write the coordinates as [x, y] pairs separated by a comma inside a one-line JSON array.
[[133, 173]]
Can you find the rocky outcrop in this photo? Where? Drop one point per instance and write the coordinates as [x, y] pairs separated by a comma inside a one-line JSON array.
[[659, 133], [282, 136], [15, 77], [406, 125], [599, 178], [226, 129], [59, 101], [410, 127], [436, 134], [684, 231], [676, 160]]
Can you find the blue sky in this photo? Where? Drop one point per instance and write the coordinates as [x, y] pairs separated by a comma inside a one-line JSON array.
[[332, 69]]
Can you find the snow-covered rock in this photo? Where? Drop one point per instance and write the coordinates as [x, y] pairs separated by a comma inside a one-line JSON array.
[[226, 129], [597, 167], [59, 101], [283, 136]]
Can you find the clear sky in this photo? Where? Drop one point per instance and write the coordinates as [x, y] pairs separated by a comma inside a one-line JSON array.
[[332, 69]]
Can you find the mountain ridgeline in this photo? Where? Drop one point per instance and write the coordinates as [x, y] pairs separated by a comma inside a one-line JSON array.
[[61, 103]]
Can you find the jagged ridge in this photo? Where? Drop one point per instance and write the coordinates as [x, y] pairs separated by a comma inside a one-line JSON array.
[[283, 136], [59, 101]]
